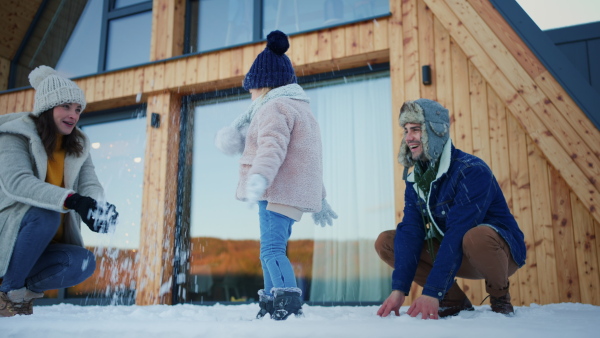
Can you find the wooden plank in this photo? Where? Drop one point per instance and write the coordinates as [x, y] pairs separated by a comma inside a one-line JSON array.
[[118, 84], [237, 61], [202, 61], [296, 53], [521, 209], [500, 159], [324, 45], [213, 66], [562, 224], [12, 102], [160, 181], [4, 104], [180, 73], [168, 27], [462, 107], [426, 47], [138, 80], [338, 39], [443, 70], [4, 73], [249, 56], [109, 86], [412, 68], [365, 37], [129, 82], [191, 71], [351, 45], [586, 249], [311, 47], [380, 34], [542, 229], [224, 64], [479, 114], [159, 76], [28, 101], [99, 88], [576, 177], [19, 101], [90, 89], [571, 111]]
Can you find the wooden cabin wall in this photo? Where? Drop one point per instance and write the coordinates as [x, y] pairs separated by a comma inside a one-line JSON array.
[[505, 108]]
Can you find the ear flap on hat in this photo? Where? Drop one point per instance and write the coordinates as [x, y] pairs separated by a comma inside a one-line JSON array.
[[440, 129]]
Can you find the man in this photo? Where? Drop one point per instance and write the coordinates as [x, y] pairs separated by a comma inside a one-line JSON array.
[[456, 223]]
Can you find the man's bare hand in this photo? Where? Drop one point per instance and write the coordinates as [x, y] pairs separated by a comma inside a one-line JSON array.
[[392, 303], [425, 305]]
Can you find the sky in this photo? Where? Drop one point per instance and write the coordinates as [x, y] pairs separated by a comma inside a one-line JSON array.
[[223, 321], [550, 14]]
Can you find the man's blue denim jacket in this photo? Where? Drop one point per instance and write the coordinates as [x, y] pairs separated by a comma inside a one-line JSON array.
[[464, 194]]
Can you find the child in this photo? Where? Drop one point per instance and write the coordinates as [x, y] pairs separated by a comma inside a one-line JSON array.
[[280, 168]]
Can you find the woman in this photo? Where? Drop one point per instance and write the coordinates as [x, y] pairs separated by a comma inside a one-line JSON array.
[[48, 186], [280, 168]]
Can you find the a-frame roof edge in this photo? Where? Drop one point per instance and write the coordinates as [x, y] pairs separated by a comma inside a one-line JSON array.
[[586, 97]]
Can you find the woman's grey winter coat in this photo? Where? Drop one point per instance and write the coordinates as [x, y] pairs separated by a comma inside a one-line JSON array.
[[23, 166]]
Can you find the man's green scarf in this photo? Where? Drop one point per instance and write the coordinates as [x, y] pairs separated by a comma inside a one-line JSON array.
[[425, 173]]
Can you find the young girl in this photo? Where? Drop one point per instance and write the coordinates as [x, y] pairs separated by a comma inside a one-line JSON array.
[[280, 168], [47, 187]]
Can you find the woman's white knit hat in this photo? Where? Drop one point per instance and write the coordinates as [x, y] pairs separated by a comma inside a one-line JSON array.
[[52, 90]]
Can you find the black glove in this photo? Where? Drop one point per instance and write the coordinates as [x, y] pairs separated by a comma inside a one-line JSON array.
[[99, 217]]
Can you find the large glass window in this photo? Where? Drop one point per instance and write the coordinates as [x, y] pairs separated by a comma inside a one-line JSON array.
[[332, 264], [117, 149], [298, 16], [219, 24], [128, 40], [84, 37]]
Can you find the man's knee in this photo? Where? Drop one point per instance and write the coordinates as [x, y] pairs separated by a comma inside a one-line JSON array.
[[385, 241]]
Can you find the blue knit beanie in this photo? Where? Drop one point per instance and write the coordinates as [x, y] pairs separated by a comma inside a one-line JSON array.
[[271, 68]]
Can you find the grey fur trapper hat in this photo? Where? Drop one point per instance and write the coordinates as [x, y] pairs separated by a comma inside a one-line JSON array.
[[435, 132]]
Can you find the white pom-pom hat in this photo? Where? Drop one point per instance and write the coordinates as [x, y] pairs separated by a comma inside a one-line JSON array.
[[52, 90]]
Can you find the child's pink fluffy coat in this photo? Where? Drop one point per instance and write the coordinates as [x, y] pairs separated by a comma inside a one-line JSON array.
[[283, 144]]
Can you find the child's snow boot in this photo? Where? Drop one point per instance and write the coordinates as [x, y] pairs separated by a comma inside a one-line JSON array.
[[265, 301], [287, 301]]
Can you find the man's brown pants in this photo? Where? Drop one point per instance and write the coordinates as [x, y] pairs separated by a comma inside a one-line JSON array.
[[485, 256]]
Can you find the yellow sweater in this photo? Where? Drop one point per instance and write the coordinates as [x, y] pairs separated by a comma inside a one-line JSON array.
[[56, 175]]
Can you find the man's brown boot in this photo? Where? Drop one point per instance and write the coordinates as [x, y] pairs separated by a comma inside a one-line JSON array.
[[502, 304], [453, 307], [6, 306], [454, 302]]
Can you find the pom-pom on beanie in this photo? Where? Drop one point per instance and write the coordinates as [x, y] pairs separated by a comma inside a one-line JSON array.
[[435, 128], [271, 68], [52, 90]]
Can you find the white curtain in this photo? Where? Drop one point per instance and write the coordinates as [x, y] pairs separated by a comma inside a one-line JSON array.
[[356, 126]]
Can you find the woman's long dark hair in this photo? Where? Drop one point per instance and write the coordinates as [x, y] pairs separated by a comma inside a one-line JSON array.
[[46, 128]]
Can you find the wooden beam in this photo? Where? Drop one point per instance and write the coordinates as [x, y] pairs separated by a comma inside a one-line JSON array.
[[521, 209], [168, 28], [586, 249], [15, 18], [562, 225], [542, 229], [155, 272]]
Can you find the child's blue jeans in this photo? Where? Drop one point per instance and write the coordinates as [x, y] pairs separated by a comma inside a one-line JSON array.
[[275, 230]]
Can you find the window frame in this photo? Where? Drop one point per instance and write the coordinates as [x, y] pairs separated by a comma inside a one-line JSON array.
[[183, 215]]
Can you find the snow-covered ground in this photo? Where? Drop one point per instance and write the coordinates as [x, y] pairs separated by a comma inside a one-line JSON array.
[[555, 320]]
